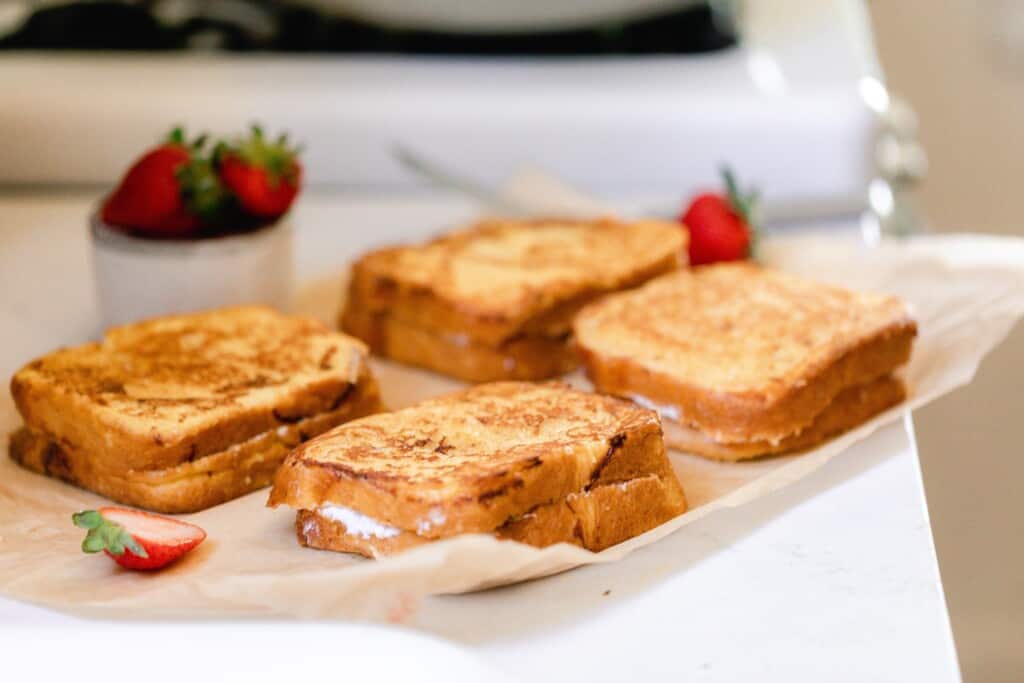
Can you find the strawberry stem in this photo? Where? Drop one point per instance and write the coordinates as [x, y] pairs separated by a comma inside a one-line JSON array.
[[201, 187], [744, 204], [177, 136], [103, 534]]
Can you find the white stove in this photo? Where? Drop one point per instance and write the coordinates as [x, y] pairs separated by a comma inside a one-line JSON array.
[[794, 108]]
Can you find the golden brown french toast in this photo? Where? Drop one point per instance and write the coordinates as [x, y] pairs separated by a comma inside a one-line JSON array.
[[502, 281], [197, 484], [594, 519], [740, 352], [850, 408], [155, 399], [500, 278], [456, 355], [473, 460]]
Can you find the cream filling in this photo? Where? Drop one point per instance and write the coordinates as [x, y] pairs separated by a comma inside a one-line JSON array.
[[365, 527], [435, 517], [358, 524], [669, 412], [666, 411]]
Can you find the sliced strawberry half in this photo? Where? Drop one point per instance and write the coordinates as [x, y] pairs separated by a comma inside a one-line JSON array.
[[135, 539]]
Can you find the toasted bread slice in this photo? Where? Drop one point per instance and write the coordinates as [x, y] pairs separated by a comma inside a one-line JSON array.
[[595, 519], [470, 461], [507, 278], [160, 393], [456, 355], [850, 408], [740, 352], [197, 484]]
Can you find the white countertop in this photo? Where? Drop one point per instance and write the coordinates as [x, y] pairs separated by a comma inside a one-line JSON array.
[[833, 578]]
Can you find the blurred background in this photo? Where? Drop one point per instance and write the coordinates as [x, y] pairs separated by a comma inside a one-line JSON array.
[[889, 116], [961, 66]]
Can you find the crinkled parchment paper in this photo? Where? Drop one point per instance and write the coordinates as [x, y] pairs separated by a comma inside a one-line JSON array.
[[967, 292]]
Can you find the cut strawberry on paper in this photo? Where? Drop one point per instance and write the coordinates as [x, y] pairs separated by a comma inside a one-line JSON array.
[[137, 540], [722, 227]]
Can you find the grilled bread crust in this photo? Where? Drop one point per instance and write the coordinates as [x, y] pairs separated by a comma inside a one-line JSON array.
[[159, 393], [505, 278], [850, 408], [456, 355], [741, 352], [469, 461], [192, 485], [594, 519]]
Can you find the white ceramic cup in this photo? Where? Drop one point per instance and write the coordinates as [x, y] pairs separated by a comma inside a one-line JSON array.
[[139, 278]]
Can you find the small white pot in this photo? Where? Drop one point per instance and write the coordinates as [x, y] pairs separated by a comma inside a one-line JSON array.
[[139, 278]]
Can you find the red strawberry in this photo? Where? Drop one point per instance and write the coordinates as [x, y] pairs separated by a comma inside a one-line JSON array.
[[720, 227], [135, 539], [166, 193], [263, 175]]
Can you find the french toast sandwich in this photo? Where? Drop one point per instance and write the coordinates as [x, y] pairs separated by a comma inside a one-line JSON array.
[[539, 463], [179, 413], [496, 300], [743, 361]]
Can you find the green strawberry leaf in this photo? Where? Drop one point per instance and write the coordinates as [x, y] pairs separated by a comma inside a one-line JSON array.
[[129, 542], [93, 543], [745, 205], [201, 187], [732, 188], [87, 519], [105, 535], [177, 136]]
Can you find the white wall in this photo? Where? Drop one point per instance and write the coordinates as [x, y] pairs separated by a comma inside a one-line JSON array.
[[961, 64]]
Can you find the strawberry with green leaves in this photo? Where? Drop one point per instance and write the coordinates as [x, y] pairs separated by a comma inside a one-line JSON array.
[[135, 539], [263, 174], [170, 192], [722, 228]]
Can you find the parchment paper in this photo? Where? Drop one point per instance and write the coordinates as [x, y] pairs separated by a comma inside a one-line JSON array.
[[967, 292]]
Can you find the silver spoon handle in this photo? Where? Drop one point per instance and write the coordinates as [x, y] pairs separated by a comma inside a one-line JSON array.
[[443, 177]]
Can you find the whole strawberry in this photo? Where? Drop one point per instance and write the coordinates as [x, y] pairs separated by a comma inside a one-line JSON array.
[[264, 175], [135, 539], [721, 227], [169, 192]]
